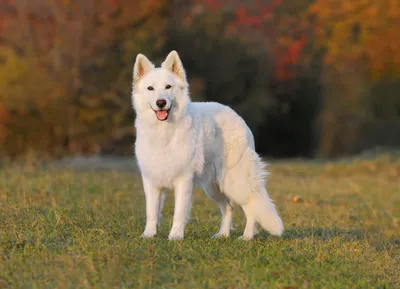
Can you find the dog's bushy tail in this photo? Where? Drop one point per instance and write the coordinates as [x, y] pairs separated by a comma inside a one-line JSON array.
[[262, 207], [244, 183], [265, 213]]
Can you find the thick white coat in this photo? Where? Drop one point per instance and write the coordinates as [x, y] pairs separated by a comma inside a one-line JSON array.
[[201, 142]]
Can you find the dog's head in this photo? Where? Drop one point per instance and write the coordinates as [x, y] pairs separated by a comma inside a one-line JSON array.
[[159, 93]]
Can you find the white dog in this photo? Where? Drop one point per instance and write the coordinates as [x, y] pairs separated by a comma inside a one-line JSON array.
[[180, 143]]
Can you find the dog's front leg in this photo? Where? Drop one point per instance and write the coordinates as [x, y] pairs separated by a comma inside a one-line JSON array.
[[153, 198], [183, 194]]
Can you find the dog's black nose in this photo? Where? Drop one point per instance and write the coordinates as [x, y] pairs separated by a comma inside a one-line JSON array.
[[161, 103]]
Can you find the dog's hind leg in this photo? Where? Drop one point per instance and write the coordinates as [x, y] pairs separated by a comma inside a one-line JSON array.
[[214, 193], [226, 223], [251, 224]]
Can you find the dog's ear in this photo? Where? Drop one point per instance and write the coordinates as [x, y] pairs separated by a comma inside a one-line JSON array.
[[174, 64], [142, 67]]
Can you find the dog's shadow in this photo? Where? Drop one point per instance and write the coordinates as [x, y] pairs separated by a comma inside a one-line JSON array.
[[321, 234], [198, 229], [318, 234]]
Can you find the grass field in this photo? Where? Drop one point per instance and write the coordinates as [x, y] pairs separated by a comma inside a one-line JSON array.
[[63, 228]]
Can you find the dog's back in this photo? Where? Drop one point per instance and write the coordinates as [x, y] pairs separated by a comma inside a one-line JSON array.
[[229, 128]]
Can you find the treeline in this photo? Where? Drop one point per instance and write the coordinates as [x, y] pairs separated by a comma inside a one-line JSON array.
[[312, 78]]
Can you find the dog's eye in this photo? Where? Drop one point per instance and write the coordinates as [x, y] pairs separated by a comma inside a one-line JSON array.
[[150, 88], [168, 86]]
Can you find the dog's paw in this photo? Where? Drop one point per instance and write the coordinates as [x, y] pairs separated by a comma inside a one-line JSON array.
[[244, 238], [147, 235], [175, 237], [220, 235]]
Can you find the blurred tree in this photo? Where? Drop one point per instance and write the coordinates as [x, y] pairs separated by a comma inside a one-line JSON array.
[[281, 27], [360, 29], [309, 76], [361, 53], [220, 68], [74, 51], [241, 54], [34, 111]]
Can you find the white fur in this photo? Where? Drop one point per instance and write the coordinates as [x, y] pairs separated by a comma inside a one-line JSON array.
[[205, 143]]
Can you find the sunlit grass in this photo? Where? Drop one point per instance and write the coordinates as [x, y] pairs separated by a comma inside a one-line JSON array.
[[61, 228]]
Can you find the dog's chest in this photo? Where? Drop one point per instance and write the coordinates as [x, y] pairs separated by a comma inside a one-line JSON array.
[[162, 158]]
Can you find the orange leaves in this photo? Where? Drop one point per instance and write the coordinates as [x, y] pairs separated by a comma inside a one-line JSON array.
[[115, 2], [3, 123], [359, 29], [383, 51], [65, 51]]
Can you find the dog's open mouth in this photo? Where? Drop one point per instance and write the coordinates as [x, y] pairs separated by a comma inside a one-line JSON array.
[[162, 114]]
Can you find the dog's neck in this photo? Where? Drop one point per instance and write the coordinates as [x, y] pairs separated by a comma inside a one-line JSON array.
[[161, 133]]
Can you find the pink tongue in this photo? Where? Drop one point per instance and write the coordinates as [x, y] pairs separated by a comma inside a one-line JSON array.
[[162, 114]]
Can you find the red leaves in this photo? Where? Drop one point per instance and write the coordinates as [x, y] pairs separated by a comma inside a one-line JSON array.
[[266, 11], [288, 59], [241, 12], [242, 18], [259, 16], [213, 5], [295, 49]]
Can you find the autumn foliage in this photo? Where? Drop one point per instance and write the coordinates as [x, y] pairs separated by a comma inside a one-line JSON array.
[[307, 75], [63, 64]]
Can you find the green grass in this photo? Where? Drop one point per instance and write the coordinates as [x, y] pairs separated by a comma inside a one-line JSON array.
[[62, 228]]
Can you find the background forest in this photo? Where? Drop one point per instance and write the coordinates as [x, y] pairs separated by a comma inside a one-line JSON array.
[[313, 78]]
